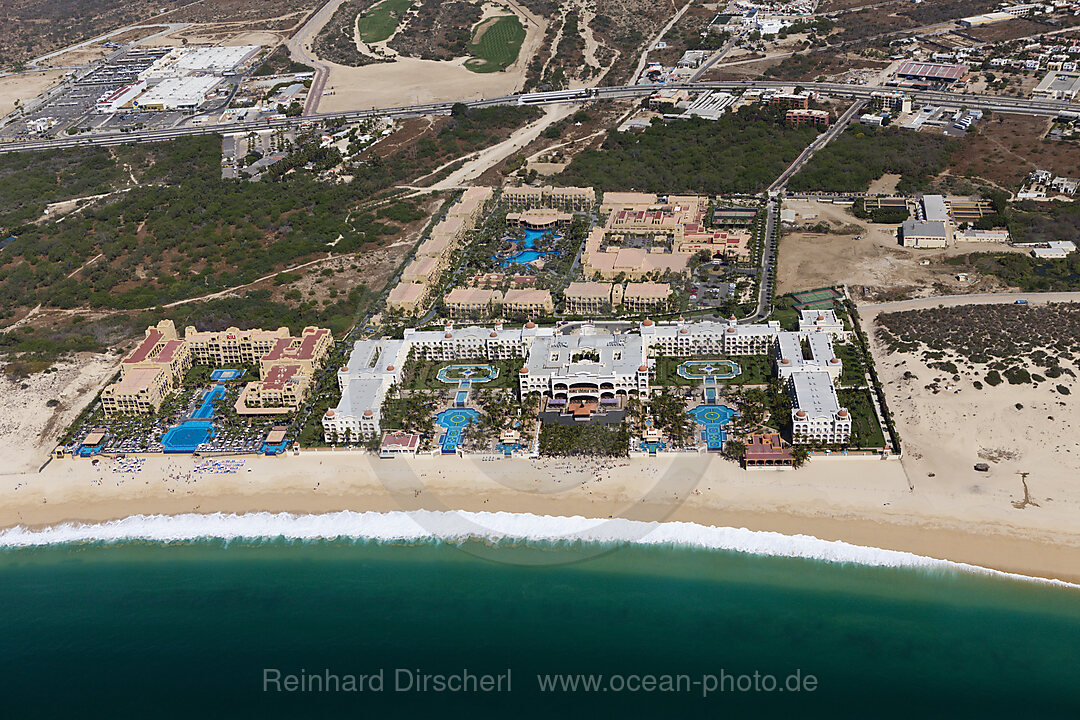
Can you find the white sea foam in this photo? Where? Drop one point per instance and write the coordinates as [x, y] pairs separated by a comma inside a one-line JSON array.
[[461, 525]]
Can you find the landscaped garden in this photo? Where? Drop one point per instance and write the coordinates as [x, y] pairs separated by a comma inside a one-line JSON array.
[[753, 369]]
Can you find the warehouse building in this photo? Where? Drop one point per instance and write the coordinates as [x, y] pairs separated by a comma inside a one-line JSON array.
[[1058, 86], [182, 94], [931, 72], [924, 234]]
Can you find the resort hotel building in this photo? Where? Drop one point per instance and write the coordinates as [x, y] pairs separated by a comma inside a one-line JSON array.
[[596, 298], [477, 303], [157, 366], [593, 366], [569, 199], [150, 372], [434, 254], [375, 366], [816, 415], [597, 365], [821, 321]]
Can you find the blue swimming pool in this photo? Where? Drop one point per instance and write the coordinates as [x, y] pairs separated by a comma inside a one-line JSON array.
[[206, 409], [455, 420], [528, 254], [187, 437], [712, 419], [275, 449], [227, 374]]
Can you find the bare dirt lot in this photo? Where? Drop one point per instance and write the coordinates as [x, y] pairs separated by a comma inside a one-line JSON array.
[[24, 87], [1005, 148], [873, 266], [805, 66], [1010, 30]]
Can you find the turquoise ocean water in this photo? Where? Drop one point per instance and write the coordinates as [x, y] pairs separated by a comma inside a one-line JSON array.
[[191, 629]]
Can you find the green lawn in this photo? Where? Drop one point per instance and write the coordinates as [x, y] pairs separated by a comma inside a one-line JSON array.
[[379, 23], [865, 430], [498, 47], [423, 374], [756, 370], [854, 363]]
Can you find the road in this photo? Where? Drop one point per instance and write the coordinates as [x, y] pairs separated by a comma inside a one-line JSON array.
[[1046, 108], [869, 310], [819, 142], [299, 46], [768, 260], [716, 56], [659, 36]]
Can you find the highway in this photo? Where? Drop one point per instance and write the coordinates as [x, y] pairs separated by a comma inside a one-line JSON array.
[[1046, 108]]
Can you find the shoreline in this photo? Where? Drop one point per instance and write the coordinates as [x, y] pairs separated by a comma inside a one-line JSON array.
[[860, 502], [453, 526]]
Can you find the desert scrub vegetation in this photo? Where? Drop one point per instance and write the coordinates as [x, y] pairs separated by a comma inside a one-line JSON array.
[[741, 152], [1006, 339], [862, 154]]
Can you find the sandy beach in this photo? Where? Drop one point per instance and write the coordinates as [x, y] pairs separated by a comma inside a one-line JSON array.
[[932, 502], [861, 501]]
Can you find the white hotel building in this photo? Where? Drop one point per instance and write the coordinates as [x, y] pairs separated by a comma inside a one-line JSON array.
[[374, 366], [791, 358], [599, 365], [816, 414]]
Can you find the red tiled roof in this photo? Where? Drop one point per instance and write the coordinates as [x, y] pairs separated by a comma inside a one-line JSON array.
[[284, 347], [146, 347], [168, 351], [400, 441], [279, 375]]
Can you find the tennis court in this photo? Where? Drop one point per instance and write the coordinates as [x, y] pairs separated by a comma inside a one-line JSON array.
[[817, 299]]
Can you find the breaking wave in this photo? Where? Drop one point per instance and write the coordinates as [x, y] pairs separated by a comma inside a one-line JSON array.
[[459, 526]]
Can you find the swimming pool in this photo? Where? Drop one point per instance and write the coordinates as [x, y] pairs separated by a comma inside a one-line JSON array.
[[528, 254], [712, 418], [455, 420], [187, 437], [206, 409], [227, 374], [708, 369]]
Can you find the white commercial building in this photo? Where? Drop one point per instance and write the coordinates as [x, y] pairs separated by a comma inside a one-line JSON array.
[[1058, 86], [920, 234], [376, 365], [688, 339], [934, 208], [373, 367], [596, 366], [181, 62], [114, 100], [183, 94]]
